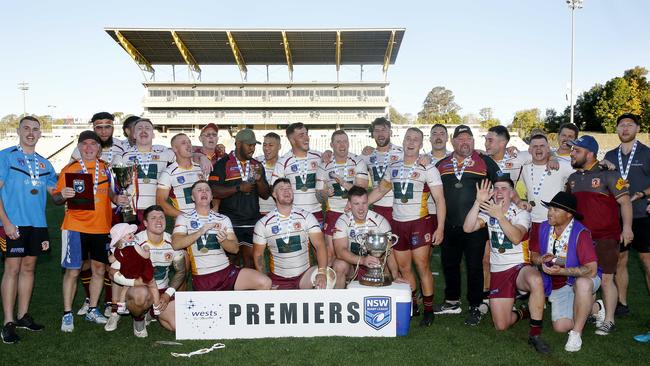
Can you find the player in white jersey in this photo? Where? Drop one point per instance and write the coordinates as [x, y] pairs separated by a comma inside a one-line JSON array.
[[176, 180], [207, 235], [438, 138], [541, 182], [378, 160], [348, 227], [496, 141], [509, 257], [271, 148], [287, 231], [299, 165], [164, 258], [412, 183], [103, 126], [334, 179], [567, 132]]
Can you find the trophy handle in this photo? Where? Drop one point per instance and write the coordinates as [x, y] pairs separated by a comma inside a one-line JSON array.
[[393, 239]]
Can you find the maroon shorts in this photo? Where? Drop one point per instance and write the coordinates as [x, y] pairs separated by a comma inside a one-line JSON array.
[[386, 212], [223, 280], [607, 251], [132, 265], [503, 285], [414, 234], [285, 283], [330, 222]]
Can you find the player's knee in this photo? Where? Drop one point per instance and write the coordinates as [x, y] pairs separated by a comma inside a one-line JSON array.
[[501, 324], [583, 286], [264, 282]]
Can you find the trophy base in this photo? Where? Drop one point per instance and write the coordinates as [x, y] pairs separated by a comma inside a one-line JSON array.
[[375, 282]]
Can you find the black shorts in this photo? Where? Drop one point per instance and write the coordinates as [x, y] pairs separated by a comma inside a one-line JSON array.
[[95, 247], [29, 243], [244, 235], [641, 230]]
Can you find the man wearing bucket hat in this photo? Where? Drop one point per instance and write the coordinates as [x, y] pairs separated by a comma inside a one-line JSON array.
[[565, 252], [510, 271], [601, 195], [288, 231]]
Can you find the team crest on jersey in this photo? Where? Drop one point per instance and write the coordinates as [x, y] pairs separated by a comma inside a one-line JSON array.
[[470, 163], [296, 226], [314, 165], [294, 168], [415, 175], [393, 158], [194, 224], [394, 173], [493, 221], [373, 159], [275, 229], [353, 233], [509, 165], [132, 158], [427, 237], [168, 257], [78, 185], [180, 179], [572, 184], [217, 227], [595, 183], [351, 172], [155, 157], [377, 311]]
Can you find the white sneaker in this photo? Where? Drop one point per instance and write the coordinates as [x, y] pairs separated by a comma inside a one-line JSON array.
[[122, 309], [67, 323], [84, 308], [140, 333], [107, 310], [574, 343], [600, 316], [111, 324]]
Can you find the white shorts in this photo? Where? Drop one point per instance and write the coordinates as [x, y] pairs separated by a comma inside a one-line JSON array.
[[562, 300]]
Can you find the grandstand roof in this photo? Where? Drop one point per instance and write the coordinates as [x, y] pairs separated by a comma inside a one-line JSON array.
[[205, 46]]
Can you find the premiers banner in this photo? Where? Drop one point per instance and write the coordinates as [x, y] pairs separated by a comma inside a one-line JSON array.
[[356, 312]]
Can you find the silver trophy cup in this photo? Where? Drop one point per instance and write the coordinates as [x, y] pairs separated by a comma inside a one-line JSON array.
[[378, 246], [123, 178]]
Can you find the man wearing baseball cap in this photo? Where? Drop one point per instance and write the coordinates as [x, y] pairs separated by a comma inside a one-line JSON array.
[[566, 254], [209, 138], [85, 230], [239, 181], [601, 194]]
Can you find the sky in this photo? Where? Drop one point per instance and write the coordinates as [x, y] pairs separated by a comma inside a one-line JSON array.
[[508, 55]]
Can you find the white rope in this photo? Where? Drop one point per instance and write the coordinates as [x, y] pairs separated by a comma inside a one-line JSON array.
[[200, 351]]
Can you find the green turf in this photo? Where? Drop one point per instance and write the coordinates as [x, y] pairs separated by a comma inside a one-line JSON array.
[[448, 341]]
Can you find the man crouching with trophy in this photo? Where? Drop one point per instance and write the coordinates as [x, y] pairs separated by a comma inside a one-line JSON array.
[[124, 174], [362, 242]]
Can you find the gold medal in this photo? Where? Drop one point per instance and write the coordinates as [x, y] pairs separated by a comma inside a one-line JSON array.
[[146, 181], [404, 200], [303, 188], [502, 250], [204, 250], [34, 191]]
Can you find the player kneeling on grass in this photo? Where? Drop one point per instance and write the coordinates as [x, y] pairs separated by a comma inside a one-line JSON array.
[[287, 231], [131, 261], [359, 221], [509, 265], [207, 235]]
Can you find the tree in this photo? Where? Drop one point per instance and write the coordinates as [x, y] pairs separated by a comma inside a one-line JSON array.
[[553, 120], [471, 119], [527, 120], [439, 107], [487, 118], [585, 110], [396, 117], [619, 96]]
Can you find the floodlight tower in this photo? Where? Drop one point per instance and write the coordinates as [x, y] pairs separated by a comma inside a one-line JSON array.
[[24, 87], [573, 5]]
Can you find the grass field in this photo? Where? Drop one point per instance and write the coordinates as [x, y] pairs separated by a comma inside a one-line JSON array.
[[447, 342]]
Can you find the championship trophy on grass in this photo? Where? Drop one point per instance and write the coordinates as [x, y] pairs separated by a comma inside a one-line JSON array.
[[123, 178], [378, 246]]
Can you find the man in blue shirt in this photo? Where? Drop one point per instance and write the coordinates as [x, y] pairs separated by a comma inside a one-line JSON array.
[[25, 176]]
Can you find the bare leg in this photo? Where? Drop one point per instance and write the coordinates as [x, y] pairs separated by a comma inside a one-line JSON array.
[[486, 267], [583, 302], [403, 259], [250, 279], [530, 280], [168, 317], [25, 284], [621, 277], [9, 287], [421, 256], [645, 259], [96, 282], [138, 300], [502, 315], [342, 268], [69, 287], [610, 295]]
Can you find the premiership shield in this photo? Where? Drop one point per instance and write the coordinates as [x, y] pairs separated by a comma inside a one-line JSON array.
[[78, 185], [377, 311]]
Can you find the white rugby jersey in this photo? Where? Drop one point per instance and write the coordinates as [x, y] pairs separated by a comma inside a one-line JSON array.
[[266, 205], [180, 181], [287, 239], [411, 189], [302, 174], [206, 254], [108, 153], [377, 164], [542, 184], [431, 204], [512, 164], [347, 227], [506, 254], [162, 256], [353, 168], [149, 170]]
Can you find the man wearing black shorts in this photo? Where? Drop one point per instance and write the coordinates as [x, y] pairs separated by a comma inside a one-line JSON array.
[[632, 160], [239, 181]]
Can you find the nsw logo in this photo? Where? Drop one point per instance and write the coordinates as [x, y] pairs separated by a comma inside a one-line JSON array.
[[78, 185], [377, 311]]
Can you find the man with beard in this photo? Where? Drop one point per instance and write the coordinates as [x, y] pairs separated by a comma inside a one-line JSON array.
[[165, 260], [335, 179], [271, 148], [541, 182], [566, 133], [177, 179], [599, 194], [412, 183], [287, 231], [378, 161], [632, 160], [509, 264], [25, 177], [239, 182], [460, 173]]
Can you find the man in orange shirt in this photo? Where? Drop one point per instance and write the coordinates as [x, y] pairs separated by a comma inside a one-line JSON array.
[[85, 231]]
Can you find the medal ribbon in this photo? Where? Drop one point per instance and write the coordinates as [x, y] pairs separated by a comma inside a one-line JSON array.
[[285, 231], [244, 176], [496, 227], [85, 171], [211, 216], [562, 242], [537, 189], [626, 171], [381, 168], [33, 174], [144, 165], [404, 181], [459, 174], [502, 163]]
